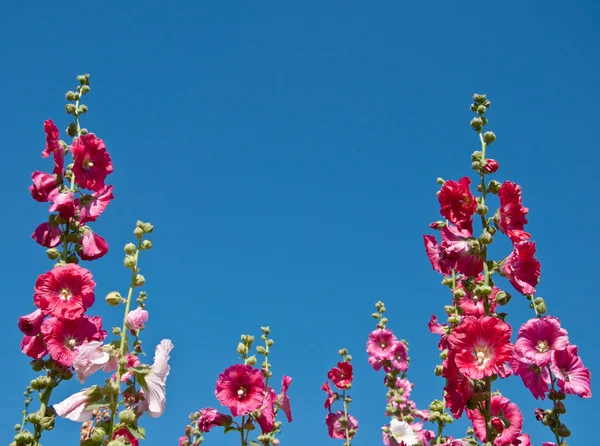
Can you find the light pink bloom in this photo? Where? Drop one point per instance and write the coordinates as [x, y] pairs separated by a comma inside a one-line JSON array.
[[90, 358], [241, 388], [47, 235], [132, 361], [73, 408], [538, 337], [91, 206], [521, 268], [156, 379], [94, 246], [572, 376], [136, 319]]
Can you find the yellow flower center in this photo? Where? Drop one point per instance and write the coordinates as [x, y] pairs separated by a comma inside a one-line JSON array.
[[87, 163], [65, 294], [241, 393], [542, 346]]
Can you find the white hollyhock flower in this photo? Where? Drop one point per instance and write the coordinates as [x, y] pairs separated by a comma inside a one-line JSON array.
[[402, 432], [156, 379]]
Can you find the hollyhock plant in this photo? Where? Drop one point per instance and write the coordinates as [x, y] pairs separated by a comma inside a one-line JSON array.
[[53, 146], [92, 163], [457, 204], [339, 428], [539, 337], [572, 376], [65, 292], [340, 424], [521, 268]]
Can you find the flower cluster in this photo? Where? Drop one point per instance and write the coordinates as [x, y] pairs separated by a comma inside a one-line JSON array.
[[244, 390], [475, 343], [340, 425]]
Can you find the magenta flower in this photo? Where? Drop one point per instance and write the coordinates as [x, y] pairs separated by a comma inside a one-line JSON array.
[[92, 163], [457, 203], [73, 408], [458, 245], [136, 319], [34, 346], [490, 166], [64, 204], [483, 346], [31, 323], [91, 206], [283, 400], [43, 187], [335, 427], [538, 337], [331, 396], [437, 256], [442, 330], [210, 418], [47, 234], [93, 245], [510, 218], [64, 292], [241, 388], [472, 305], [505, 416], [521, 268], [381, 347], [53, 146], [570, 372], [341, 376], [266, 416], [536, 378], [156, 380], [458, 389]]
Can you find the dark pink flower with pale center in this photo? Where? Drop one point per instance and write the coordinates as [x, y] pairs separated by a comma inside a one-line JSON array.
[[341, 376], [64, 337], [91, 206], [210, 418], [64, 204], [283, 400], [93, 245], [92, 162], [64, 292], [381, 347], [335, 427], [570, 372], [331, 396], [43, 187], [503, 413], [459, 247], [47, 234], [53, 146], [241, 388], [536, 378], [399, 358], [523, 440], [472, 305], [457, 203], [510, 218], [521, 268], [437, 256], [482, 346], [538, 337]]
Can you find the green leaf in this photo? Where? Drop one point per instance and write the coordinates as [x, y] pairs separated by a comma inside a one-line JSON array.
[[137, 432]]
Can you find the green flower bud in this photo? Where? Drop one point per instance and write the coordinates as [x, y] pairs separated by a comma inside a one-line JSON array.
[[438, 370], [73, 259], [270, 343], [70, 108], [563, 431], [72, 129], [138, 232], [53, 253], [260, 350], [444, 354], [85, 89], [71, 96], [139, 280], [116, 443], [130, 261], [436, 405], [486, 238], [484, 120], [477, 124], [481, 109], [560, 408], [98, 434], [440, 181], [113, 299], [127, 416], [83, 79], [473, 107], [116, 331], [242, 349], [503, 297], [491, 230], [482, 209], [84, 131], [147, 228], [34, 418], [47, 423], [453, 320], [540, 305], [130, 248], [146, 244], [489, 137], [74, 237], [476, 156], [459, 292], [483, 290], [251, 360], [82, 109], [24, 437]]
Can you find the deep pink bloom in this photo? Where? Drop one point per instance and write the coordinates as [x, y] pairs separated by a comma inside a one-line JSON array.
[[483, 346], [399, 358], [90, 358], [336, 430], [53, 146], [65, 291], [458, 246], [382, 347], [457, 203], [437, 256], [536, 378], [331, 396], [132, 361], [136, 319], [510, 218], [184, 441], [210, 418], [442, 330], [341, 376], [43, 187], [490, 166], [91, 162], [34, 346], [472, 305], [64, 204], [523, 440], [47, 235], [570, 372], [91, 206], [266, 417], [503, 412], [93, 245], [241, 388], [283, 400], [458, 389], [73, 408], [126, 436], [64, 337], [31, 323], [156, 380], [538, 337], [521, 268]]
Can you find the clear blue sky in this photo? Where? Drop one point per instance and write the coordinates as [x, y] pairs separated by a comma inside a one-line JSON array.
[[287, 156]]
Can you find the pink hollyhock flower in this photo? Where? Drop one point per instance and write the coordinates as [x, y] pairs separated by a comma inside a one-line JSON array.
[[472, 305], [442, 330], [283, 400], [136, 319], [437, 256], [132, 361], [510, 218], [399, 358], [210, 418], [458, 390], [336, 430], [266, 417], [184, 441], [64, 204], [64, 292], [43, 187], [331, 396], [92, 162], [380, 347], [240, 388], [538, 337], [31, 323], [91, 206], [341, 375], [504, 414], [457, 203], [490, 166], [536, 378], [521, 268], [34, 346], [73, 408], [53, 146], [402, 433], [64, 337], [458, 245], [124, 435], [523, 440], [572, 376], [156, 379], [94, 246], [47, 234], [405, 387], [483, 346], [90, 358]]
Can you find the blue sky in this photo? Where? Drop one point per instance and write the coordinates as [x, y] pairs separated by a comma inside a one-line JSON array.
[[287, 155]]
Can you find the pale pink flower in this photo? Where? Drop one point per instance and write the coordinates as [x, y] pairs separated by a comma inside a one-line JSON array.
[[539, 337], [136, 319], [156, 379], [90, 358], [73, 408], [570, 372]]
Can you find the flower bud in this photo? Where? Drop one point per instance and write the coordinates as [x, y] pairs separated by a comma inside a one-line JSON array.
[[482, 209], [139, 280], [85, 89], [138, 232], [486, 238], [459, 292], [444, 354], [477, 124], [98, 435], [491, 230], [563, 431], [481, 109], [454, 320], [73, 259], [127, 416], [116, 443], [438, 370], [540, 305], [560, 408], [260, 350], [436, 405], [130, 248], [72, 129], [251, 360], [52, 253], [82, 109], [146, 244], [147, 228], [440, 181], [503, 297], [241, 349], [71, 96], [476, 156], [47, 423], [129, 261], [84, 131], [434, 415], [70, 108], [24, 437], [113, 299], [489, 137], [483, 290]]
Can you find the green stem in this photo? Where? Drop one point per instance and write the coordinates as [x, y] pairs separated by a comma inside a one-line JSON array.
[[44, 398], [242, 431], [346, 416]]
